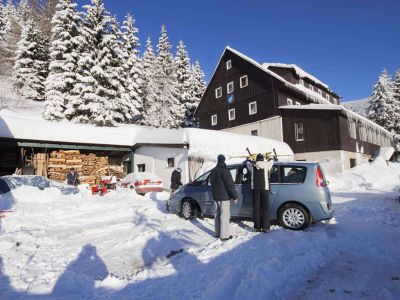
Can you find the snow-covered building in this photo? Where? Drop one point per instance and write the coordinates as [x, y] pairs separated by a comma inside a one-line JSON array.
[[136, 148], [284, 102]]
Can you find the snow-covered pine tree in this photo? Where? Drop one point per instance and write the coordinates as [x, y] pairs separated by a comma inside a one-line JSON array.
[[31, 67], [132, 66], [198, 86], [63, 60], [396, 86], [165, 110], [148, 85], [382, 105], [183, 80], [11, 37], [3, 22], [99, 96], [24, 12]]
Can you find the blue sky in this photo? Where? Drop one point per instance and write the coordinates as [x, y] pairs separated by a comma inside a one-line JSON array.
[[345, 43]]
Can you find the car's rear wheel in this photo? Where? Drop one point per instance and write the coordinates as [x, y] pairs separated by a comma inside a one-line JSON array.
[[189, 210], [294, 216]]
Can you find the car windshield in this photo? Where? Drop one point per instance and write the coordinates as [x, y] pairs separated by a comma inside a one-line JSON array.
[[202, 178]]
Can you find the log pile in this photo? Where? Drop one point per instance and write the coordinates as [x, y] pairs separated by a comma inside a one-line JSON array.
[[88, 165]]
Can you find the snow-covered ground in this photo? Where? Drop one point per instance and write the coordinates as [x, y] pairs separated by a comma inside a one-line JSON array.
[[124, 246]]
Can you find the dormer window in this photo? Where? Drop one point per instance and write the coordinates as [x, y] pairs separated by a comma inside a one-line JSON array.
[[218, 92], [289, 101], [334, 101], [229, 64], [319, 92], [229, 87], [244, 81], [327, 97], [301, 82], [310, 87]]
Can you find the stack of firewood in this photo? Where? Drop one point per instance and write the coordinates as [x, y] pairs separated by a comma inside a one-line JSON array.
[[60, 162]]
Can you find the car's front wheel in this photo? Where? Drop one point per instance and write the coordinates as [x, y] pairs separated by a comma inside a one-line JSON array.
[[189, 210], [294, 216]]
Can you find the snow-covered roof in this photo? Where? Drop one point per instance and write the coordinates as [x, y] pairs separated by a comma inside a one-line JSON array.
[[350, 114], [299, 71], [202, 143]]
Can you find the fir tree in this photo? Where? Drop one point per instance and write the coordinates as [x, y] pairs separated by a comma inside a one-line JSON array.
[[11, 36], [148, 83], [198, 86], [31, 63], [165, 110], [396, 86], [183, 79], [3, 22], [132, 66], [382, 105], [99, 96], [63, 60]]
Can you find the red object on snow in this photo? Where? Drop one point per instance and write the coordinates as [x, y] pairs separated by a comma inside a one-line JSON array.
[[99, 190]]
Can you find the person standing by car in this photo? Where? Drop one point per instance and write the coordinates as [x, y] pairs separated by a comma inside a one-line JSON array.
[[176, 178], [72, 177], [260, 170], [223, 189], [176, 182]]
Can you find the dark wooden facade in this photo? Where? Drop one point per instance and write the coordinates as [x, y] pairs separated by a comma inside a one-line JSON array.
[[325, 130]]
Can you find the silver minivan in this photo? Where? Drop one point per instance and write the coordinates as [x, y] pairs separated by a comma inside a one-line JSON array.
[[299, 195]]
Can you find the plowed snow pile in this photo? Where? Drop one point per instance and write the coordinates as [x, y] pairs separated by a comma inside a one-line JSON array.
[[124, 246]]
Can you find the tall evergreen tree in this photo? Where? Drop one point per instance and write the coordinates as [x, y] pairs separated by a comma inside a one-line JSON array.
[[132, 65], [165, 111], [63, 60], [3, 22], [31, 63], [382, 105], [198, 86], [183, 79], [148, 84], [99, 96], [396, 86]]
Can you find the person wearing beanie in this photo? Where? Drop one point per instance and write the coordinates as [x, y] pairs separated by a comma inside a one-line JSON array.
[[176, 182], [223, 189], [260, 170]]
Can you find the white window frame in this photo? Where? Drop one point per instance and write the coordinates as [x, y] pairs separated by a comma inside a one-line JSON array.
[[310, 87], [229, 64], [231, 118], [327, 97], [255, 106], [214, 120], [230, 88], [218, 95], [289, 101], [301, 82], [334, 101], [247, 81], [320, 92], [297, 131], [298, 103]]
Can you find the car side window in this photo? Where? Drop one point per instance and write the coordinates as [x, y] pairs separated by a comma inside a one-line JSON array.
[[274, 175], [234, 174], [202, 179], [245, 176], [293, 174]]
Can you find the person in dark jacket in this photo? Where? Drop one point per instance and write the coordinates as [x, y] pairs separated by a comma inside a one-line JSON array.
[[176, 182], [223, 189], [72, 177], [260, 170]]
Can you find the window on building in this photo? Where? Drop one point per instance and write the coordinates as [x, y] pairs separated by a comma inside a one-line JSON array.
[[231, 114], [141, 168], [327, 97], [254, 132], [244, 81], [299, 132], [218, 92], [252, 108], [289, 101], [319, 92], [298, 103], [310, 87], [352, 129], [334, 101], [301, 82], [229, 64], [229, 87], [171, 162], [214, 120]]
